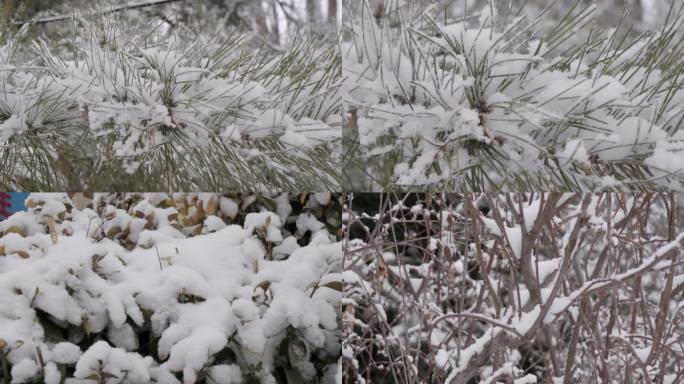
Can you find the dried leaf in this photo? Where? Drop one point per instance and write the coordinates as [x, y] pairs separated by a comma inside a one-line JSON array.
[[198, 230], [52, 227], [336, 285], [189, 221], [15, 229], [183, 209], [185, 297], [23, 254], [113, 231], [107, 375], [200, 209], [212, 205], [265, 285], [150, 218]]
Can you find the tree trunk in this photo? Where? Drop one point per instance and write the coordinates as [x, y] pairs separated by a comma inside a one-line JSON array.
[[275, 33], [260, 20], [313, 12], [332, 11]]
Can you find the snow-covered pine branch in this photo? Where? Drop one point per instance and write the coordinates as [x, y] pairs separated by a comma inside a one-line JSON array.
[[123, 105], [497, 99]]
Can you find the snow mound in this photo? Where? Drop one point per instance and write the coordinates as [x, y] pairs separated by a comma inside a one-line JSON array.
[[150, 292]]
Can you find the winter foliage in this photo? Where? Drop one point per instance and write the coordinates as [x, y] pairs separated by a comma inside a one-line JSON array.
[[513, 288], [183, 288], [439, 95], [114, 102]]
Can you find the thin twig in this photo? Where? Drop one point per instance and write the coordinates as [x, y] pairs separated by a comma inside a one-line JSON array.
[[159, 257]]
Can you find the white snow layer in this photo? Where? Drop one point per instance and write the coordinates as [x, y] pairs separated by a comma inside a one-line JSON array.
[[528, 108], [93, 285]]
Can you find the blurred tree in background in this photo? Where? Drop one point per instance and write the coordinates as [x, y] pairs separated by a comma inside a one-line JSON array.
[[643, 14], [276, 21]]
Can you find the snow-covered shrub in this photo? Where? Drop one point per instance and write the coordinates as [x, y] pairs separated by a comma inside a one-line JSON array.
[[441, 96], [139, 288], [122, 105], [513, 288]]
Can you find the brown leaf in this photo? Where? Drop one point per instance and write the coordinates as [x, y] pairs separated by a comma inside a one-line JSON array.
[[15, 229], [23, 254], [150, 218], [265, 285], [107, 375], [336, 285], [52, 227], [212, 205], [198, 230], [113, 231], [200, 209], [183, 209], [189, 221]]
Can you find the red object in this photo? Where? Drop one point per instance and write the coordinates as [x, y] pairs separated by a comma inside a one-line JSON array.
[[5, 204]]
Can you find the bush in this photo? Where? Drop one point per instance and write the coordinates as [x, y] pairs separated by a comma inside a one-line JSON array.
[[514, 288], [139, 288]]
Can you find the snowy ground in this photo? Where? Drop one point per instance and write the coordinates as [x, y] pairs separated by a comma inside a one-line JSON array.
[[185, 288]]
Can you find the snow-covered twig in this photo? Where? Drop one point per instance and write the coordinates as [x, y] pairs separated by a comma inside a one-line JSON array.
[[455, 307]]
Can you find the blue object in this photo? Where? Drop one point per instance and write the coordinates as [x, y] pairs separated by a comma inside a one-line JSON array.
[[17, 201]]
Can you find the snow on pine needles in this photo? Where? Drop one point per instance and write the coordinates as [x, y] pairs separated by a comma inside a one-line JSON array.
[[496, 99], [116, 104], [182, 288]]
